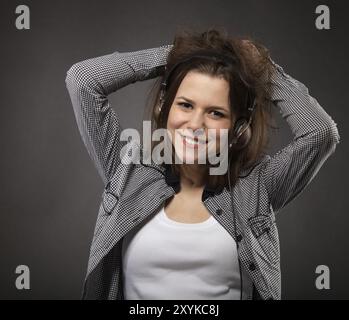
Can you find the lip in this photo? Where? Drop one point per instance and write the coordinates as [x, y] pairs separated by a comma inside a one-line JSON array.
[[188, 144]]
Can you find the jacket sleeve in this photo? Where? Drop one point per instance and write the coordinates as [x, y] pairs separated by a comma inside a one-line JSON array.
[[292, 168], [89, 83]]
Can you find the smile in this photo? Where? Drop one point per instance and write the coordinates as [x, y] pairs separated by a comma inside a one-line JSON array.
[[192, 141]]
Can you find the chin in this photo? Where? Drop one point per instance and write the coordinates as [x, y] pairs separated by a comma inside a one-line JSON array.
[[188, 159]]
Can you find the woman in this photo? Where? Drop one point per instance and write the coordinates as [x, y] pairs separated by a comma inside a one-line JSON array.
[[175, 231]]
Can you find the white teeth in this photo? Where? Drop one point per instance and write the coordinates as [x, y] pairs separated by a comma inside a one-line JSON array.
[[193, 142]]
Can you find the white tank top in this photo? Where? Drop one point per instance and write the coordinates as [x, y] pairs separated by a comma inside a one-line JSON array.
[[168, 260]]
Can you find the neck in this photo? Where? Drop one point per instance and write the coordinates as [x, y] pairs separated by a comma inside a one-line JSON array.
[[192, 176]]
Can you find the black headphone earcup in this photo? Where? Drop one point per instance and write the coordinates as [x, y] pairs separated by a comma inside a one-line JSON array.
[[239, 125], [241, 130], [157, 112], [158, 107]]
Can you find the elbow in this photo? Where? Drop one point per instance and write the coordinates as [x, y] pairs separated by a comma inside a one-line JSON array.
[[73, 74], [77, 76], [326, 129], [332, 134], [328, 137]]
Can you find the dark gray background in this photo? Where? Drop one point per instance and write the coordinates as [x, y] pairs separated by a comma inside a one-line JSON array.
[[50, 190]]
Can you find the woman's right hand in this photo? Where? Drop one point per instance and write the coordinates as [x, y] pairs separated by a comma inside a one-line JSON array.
[[259, 58]]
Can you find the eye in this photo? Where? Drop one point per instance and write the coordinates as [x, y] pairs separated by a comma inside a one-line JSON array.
[[184, 105], [217, 114]]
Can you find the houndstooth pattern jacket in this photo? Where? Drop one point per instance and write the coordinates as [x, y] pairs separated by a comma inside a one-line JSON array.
[[134, 192]]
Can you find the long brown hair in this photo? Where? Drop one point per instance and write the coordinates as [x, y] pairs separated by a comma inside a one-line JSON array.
[[256, 76]]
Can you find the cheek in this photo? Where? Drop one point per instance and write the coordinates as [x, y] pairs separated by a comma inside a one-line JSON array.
[[174, 120], [172, 124], [217, 133]]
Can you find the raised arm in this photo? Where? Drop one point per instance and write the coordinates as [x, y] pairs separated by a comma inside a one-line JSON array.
[[291, 169], [89, 83]]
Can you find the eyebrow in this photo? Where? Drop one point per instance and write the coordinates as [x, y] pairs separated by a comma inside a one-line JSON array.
[[191, 101]]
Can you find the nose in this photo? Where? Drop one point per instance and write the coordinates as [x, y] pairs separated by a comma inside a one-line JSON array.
[[196, 122]]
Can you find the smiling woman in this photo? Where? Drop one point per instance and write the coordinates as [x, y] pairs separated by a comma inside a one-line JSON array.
[[190, 119], [213, 83], [173, 231]]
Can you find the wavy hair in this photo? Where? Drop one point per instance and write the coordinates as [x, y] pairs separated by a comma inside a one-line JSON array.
[[256, 79]]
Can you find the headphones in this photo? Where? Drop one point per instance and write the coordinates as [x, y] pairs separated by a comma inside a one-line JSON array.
[[242, 124]]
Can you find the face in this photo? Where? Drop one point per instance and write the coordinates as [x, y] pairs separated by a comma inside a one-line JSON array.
[[199, 112]]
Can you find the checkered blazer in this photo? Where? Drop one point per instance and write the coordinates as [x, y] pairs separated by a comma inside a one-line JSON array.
[[134, 192]]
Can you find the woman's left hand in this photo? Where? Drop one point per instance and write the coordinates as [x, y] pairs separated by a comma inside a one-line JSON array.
[[259, 59]]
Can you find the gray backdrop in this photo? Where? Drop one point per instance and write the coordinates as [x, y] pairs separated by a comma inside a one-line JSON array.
[[50, 190]]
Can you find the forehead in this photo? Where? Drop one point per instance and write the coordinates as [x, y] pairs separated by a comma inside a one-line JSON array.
[[204, 88]]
